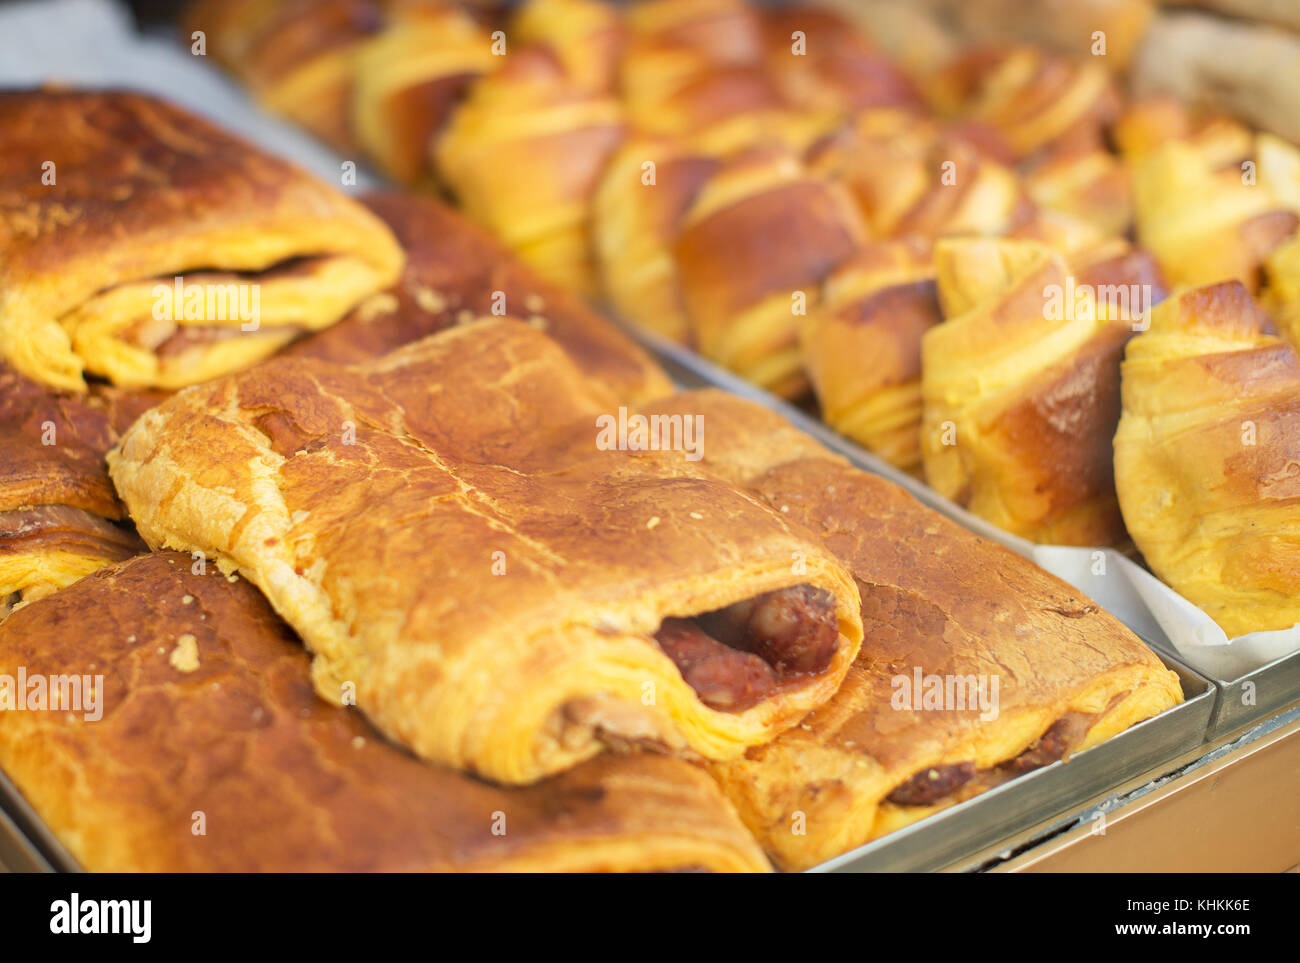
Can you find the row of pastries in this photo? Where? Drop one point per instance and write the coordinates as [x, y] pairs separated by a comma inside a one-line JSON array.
[[371, 594], [766, 186]]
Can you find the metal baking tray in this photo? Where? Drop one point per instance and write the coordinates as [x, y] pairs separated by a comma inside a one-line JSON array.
[[1271, 686], [26, 843], [989, 818]]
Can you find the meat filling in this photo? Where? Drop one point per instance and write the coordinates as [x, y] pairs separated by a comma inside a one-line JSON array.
[[735, 657], [932, 784]]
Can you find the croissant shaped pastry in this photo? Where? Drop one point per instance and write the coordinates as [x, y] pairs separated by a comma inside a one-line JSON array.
[[530, 110], [298, 57], [1207, 457], [1020, 387], [212, 711], [1035, 99], [1088, 183], [59, 516], [1150, 121], [1046, 673], [644, 194], [162, 251], [587, 35], [504, 588], [751, 254], [1236, 221], [861, 347], [912, 179], [410, 77]]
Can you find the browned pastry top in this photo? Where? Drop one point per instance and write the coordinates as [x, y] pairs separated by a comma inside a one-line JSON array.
[[208, 709], [454, 269]]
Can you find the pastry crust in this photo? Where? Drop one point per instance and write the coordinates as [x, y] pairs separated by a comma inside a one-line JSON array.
[[455, 272], [207, 708], [140, 195], [937, 598], [372, 503], [1206, 460]]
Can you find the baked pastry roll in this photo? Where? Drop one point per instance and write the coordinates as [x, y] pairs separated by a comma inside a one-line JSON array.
[[1236, 222], [203, 707], [1148, 122], [164, 251], [910, 178], [455, 272], [1020, 387], [1057, 674], [59, 516], [409, 77], [1085, 182], [762, 235], [298, 57], [587, 35], [1281, 298], [636, 213], [500, 599], [530, 109], [861, 347], [1205, 457]]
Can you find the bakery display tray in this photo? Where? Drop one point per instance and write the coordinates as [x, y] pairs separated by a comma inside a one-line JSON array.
[[1242, 700], [1014, 807], [28, 846]]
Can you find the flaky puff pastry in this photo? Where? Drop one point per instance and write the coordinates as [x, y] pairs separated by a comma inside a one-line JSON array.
[[207, 706], [1020, 387], [1206, 457], [861, 347], [408, 79], [912, 178], [148, 207], [488, 589], [588, 35], [751, 253], [523, 155], [646, 190], [1207, 223], [937, 600]]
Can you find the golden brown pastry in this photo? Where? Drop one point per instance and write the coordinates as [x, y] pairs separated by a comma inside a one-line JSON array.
[[409, 77], [1282, 296], [646, 190], [1020, 387], [1056, 673], [523, 155], [751, 253], [697, 70], [861, 347], [455, 272], [500, 599], [587, 35], [1206, 460], [1035, 99], [1148, 122], [910, 178], [204, 749], [1086, 182], [1241, 214], [59, 516], [298, 57], [819, 60], [161, 251]]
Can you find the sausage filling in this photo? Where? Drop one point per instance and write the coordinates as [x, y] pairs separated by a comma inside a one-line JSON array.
[[737, 656]]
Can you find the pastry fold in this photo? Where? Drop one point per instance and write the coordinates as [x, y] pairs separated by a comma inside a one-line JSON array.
[[499, 598], [1020, 388], [1031, 671], [1206, 457], [59, 515], [203, 706], [163, 251], [456, 271]]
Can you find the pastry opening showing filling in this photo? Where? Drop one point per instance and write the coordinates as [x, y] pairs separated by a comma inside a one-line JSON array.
[[737, 656], [961, 779]]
